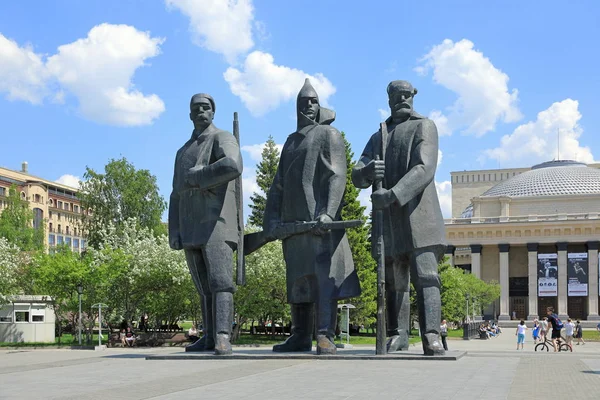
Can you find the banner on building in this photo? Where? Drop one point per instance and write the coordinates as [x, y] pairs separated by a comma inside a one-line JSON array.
[[577, 273], [548, 275]]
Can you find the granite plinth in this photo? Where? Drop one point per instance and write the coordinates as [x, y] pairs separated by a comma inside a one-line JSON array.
[[349, 354]]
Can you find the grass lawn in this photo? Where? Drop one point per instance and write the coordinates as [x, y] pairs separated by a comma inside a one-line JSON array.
[[66, 340]]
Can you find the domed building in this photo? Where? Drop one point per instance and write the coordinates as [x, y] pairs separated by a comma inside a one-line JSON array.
[[534, 230]]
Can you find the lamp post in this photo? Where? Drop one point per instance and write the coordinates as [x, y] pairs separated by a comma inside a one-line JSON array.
[[79, 291]]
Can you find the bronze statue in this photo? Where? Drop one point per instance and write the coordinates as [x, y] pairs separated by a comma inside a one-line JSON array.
[[308, 189], [203, 219], [403, 154]]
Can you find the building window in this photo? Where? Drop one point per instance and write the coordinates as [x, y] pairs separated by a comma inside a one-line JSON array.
[[38, 218], [37, 198], [82, 244], [60, 204], [76, 209], [76, 244], [6, 315], [74, 231], [59, 216], [21, 316], [51, 239], [2, 191], [37, 318], [22, 195], [67, 230], [68, 241], [59, 240], [50, 227]]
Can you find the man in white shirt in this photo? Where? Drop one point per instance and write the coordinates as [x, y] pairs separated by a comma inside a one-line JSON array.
[[569, 328]]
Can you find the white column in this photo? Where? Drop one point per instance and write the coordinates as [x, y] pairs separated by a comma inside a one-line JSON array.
[[532, 262], [562, 279], [504, 285], [476, 260], [593, 281]]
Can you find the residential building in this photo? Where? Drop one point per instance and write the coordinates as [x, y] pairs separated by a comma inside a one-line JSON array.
[[55, 206]]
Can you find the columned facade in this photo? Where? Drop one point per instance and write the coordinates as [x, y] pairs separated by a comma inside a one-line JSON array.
[[476, 260], [532, 275], [503, 263], [594, 266]]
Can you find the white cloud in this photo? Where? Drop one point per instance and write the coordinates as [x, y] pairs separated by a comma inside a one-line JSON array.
[[99, 70], [482, 89], [255, 150], [536, 141], [441, 122], [444, 191], [383, 113], [69, 180], [24, 76], [440, 156], [221, 26], [263, 85]]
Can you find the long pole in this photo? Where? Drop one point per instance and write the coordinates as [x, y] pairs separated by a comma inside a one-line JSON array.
[[79, 327], [239, 198], [380, 346], [100, 325]]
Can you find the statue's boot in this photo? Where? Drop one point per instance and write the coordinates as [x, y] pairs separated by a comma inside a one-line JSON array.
[[206, 342], [223, 317], [432, 345], [302, 330], [398, 340], [326, 323], [398, 315]]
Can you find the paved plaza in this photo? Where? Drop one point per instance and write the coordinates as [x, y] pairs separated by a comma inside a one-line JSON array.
[[492, 369]]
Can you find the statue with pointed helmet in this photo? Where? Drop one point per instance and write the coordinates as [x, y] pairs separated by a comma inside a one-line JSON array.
[[309, 187]]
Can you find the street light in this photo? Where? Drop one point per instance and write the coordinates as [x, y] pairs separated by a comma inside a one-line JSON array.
[[79, 291]]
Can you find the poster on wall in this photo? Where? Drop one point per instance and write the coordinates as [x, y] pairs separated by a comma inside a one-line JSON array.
[[577, 273], [548, 275]]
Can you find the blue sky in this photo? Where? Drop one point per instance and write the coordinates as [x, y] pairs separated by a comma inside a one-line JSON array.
[[83, 82]]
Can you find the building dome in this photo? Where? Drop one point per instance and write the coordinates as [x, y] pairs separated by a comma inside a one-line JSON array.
[[552, 178]]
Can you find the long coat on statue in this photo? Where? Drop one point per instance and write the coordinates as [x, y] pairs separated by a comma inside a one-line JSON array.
[[310, 181], [415, 220]]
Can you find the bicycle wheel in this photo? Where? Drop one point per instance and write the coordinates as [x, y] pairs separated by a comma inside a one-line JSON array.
[[565, 347], [541, 347]]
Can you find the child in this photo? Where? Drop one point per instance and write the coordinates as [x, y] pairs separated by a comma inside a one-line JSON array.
[[520, 334], [579, 333], [536, 330]]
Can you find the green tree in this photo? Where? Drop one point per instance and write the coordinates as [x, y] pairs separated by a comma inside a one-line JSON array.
[[360, 245], [142, 275], [457, 286], [16, 223], [264, 296], [9, 269], [57, 275], [119, 194], [265, 174]]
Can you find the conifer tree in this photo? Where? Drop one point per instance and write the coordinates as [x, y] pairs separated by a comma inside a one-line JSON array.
[[265, 174], [360, 245]]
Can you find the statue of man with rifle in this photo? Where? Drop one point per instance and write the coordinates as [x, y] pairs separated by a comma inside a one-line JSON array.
[[204, 219], [303, 209], [402, 156]]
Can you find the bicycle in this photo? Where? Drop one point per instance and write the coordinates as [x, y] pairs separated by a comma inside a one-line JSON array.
[[547, 345]]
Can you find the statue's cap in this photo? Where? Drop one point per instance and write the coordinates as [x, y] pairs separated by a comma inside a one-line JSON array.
[[196, 98], [307, 90], [397, 86]]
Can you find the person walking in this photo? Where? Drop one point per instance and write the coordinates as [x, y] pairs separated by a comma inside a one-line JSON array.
[[444, 334], [543, 328], [579, 333], [569, 330], [536, 330], [520, 334]]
